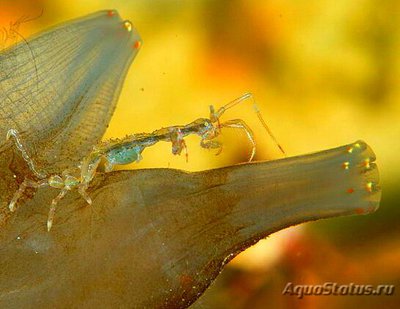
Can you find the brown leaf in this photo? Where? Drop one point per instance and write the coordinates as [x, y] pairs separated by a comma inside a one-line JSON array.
[[157, 238]]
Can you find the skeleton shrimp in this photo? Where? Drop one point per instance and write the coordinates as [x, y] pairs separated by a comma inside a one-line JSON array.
[[128, 150]]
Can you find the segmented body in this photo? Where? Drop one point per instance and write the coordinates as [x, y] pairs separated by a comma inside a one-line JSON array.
[[128, 150]]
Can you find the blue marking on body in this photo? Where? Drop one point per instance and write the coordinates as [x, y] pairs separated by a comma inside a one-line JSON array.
[[124, 155]]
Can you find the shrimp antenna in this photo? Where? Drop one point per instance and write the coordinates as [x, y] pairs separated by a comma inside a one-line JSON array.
[[264, 124]]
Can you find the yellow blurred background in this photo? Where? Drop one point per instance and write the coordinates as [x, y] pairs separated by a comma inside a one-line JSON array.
[[324, 73]]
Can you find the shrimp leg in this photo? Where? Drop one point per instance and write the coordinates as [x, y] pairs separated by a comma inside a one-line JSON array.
[[240, 124], [53, 206], [27, 183], [17, 140], [178, 143]]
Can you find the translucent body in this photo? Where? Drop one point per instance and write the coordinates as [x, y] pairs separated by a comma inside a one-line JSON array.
[[59, 88]]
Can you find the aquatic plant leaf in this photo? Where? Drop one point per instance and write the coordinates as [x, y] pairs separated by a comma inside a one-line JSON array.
[[157, 238], [59, 88]]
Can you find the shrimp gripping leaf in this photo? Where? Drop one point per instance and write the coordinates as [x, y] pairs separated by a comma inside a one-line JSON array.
[[157, 238], [59, 88], [152, 238]]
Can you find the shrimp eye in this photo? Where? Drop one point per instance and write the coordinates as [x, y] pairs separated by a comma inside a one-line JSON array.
[[208, 125]]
